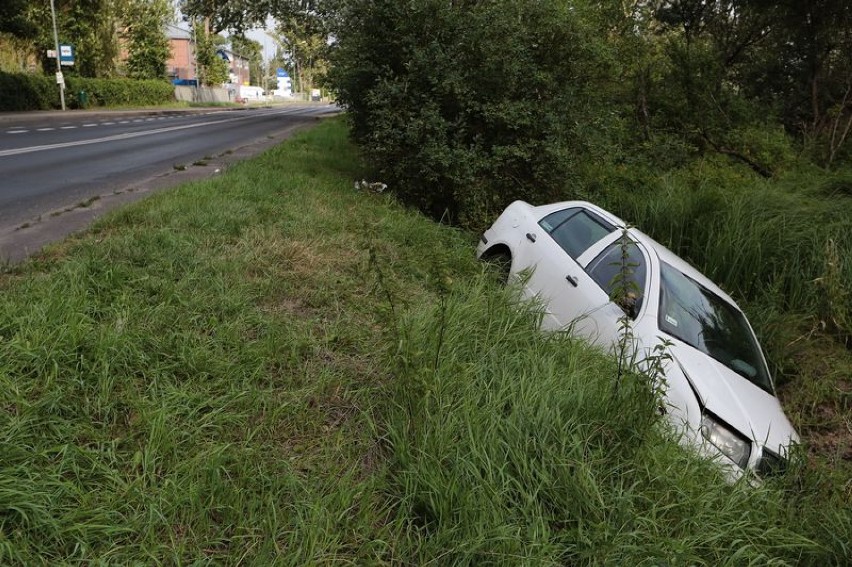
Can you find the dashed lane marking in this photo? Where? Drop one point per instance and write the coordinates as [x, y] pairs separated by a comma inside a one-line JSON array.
[[124, 136]]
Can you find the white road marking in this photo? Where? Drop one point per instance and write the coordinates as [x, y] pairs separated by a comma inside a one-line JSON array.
[[124, 136], [89, 125], [45, 129], [67, 127], [138, 120], [128, 135], [124, 121]]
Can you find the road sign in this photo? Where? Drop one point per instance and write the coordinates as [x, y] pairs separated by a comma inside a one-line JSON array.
[[60, 80], [281, 72], [51, 54], [66, 54]]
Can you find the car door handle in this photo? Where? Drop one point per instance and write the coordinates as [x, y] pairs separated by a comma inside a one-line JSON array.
[[571, 280], [531, 237]]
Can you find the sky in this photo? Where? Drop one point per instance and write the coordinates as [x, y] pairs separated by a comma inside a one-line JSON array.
[[259, 34]]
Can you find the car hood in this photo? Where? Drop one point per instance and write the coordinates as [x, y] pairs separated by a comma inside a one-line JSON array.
[[752, 411]]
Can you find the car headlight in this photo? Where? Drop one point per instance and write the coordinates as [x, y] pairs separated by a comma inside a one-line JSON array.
[[728, 441]]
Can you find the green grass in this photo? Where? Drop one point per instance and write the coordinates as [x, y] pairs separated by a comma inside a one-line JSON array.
[[783, 248], [269, 367]]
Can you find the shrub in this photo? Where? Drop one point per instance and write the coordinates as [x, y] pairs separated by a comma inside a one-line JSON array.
[[120, 92], [22, 91], [460, 111]]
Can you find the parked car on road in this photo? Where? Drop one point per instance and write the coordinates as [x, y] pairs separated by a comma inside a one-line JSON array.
[[719, 393]]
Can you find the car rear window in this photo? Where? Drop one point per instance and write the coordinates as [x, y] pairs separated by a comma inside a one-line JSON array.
[[575, 230]]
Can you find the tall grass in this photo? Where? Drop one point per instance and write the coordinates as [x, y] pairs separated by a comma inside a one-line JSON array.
[[511, 449], [783, 249], [269, 368], [190, 382]]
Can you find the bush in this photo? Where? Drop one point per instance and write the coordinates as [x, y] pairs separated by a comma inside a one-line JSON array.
[[460, 112], [21, 91], [121, 92]]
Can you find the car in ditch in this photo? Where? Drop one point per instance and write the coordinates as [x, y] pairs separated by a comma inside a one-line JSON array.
[[590, 271]]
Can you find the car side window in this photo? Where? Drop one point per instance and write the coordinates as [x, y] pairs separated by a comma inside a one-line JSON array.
[[575, 229], [606, 268]]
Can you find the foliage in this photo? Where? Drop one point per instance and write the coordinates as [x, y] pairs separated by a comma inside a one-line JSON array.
[[241, 15], [90, 26], [147, 44], [14, 19], [212, 69], [303, 36], [251, 50], [788, 57], [22, 91], [122, 92], [459, 111]]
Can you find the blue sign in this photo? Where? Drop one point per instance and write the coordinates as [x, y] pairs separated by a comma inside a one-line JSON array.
[[281, 72], [66, 54]]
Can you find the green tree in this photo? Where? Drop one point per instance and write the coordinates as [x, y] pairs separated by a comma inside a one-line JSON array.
[[15, 20], [212, 69], [147, 43], [253, 52], [466, 106], [735, 63], [303, 35], [89, 25]]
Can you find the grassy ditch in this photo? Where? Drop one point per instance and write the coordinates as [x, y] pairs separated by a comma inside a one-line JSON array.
[[783, 248], [270, 367]]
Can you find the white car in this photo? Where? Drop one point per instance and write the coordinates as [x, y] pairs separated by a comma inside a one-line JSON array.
[[719, 392]]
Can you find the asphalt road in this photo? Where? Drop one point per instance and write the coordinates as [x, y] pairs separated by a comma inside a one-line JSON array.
[[56, 160]]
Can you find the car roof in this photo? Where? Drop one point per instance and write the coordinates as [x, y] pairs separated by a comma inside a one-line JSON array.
[[663, 253]]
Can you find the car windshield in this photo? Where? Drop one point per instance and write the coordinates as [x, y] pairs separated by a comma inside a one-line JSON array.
[[697, 316]]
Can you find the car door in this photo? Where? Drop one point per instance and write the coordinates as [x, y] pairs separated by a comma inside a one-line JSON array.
[[552, 250]]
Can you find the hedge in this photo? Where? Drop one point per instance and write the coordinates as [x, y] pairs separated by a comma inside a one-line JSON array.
[[20, 91]]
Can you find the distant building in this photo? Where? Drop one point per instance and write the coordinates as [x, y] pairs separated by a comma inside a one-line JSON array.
[[180, 65], [238, 67], [284, 84]]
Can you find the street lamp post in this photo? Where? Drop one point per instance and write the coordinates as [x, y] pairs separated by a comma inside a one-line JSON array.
[[59, 78]]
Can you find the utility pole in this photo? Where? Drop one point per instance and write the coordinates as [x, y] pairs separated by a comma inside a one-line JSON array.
[[196, 90], [59, 79]]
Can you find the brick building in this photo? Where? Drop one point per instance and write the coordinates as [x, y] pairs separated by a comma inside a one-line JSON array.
[[181, 62]]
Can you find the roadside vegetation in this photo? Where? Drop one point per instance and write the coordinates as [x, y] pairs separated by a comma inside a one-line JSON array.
[[271, 367], [722, 129]]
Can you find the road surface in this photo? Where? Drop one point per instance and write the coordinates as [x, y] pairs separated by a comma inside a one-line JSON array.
[[50, 163]]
